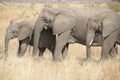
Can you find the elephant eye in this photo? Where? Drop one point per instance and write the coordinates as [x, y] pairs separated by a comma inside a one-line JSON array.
[[14, 32], [45, 20]]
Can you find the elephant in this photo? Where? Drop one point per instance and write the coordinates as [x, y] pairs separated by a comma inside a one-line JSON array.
[[66, 22], [95, 27], [24, 31]]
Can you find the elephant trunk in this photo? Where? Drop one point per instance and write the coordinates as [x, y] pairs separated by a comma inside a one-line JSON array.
[[90, 38], [37, 32], [7, 39], [89, 41]]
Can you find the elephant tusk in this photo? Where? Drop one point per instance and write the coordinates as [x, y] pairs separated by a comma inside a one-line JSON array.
[[56, 35], [91, 42], [45, 27]]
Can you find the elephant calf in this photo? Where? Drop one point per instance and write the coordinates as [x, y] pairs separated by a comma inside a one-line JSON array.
[[24, 31]]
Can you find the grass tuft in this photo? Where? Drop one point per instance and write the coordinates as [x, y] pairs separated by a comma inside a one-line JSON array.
[[115, 6]]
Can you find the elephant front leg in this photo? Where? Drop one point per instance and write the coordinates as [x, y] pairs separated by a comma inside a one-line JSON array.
[[64, 51], [22, 47], [108, 44], [61, 41]]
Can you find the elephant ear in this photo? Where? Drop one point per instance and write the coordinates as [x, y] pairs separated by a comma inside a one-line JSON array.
[[12, 21], [109, 27], [24, 32], [63, 23]]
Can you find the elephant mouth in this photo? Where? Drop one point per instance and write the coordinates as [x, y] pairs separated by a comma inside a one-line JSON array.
[[13, 37]]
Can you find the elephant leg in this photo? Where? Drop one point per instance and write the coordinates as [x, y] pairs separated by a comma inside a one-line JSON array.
[[114, 51], [42, 50], [108, 44], [61, 41], [65, 50], [88, 52], [18, 51], [22, 47], [52, 51]]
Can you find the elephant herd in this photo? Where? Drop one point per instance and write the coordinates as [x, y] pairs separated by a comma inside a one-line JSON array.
[[56, 28]]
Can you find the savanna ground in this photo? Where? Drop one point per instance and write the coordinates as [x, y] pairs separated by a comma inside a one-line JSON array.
[[72, 68]]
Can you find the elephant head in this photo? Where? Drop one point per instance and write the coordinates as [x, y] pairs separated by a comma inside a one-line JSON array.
[[20, 30], [59, 20], [94, 28]]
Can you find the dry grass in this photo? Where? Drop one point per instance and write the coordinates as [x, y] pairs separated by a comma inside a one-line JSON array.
[[72, 68]]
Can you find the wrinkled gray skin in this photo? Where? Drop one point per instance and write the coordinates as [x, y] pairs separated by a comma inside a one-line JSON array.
[[72, 22], [99, 25], [24, 31]]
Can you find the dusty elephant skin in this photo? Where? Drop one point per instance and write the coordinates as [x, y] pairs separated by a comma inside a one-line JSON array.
[[107, 25], [24, 31], [73, 22]]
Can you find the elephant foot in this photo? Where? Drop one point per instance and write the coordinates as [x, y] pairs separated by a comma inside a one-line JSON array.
[[20, 55], [35, 56], [56, 59], [64, 57], [87, 59], [41, 57], [113, 57], [5, 58], [103, 59]]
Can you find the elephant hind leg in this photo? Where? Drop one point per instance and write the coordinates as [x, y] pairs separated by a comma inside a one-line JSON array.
[[114, 51], [64, 51], [108, 44], [41, 51]]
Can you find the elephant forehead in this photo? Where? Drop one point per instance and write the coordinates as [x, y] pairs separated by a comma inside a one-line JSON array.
[[45, 14], [12, 27]]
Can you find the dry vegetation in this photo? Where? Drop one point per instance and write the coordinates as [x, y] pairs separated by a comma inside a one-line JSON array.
[[72, 68]]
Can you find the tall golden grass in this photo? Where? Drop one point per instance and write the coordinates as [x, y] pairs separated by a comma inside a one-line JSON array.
[[72, 68]]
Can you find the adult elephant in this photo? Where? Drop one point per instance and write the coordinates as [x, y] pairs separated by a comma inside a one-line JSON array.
[[24, 31], [66, 22], [105, 24]]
